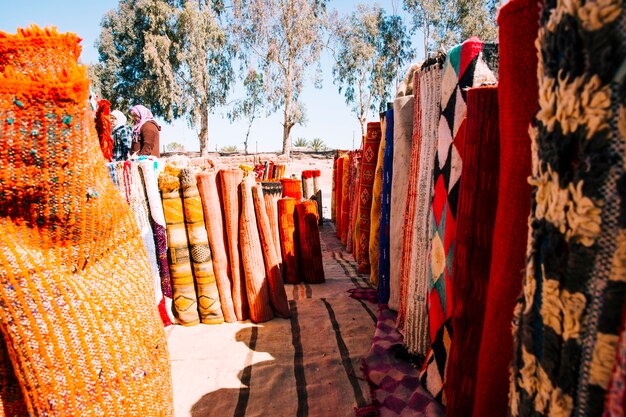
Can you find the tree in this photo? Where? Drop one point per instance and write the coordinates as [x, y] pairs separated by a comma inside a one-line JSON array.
[[172, 56], [285, 38], [251, 105], [370, 49], [175, 147]]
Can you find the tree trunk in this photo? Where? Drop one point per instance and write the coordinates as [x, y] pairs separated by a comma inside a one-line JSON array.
[[362, 123], [287, 123], [203, 136]]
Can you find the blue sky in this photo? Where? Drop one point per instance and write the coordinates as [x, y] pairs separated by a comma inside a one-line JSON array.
[[328, 116]]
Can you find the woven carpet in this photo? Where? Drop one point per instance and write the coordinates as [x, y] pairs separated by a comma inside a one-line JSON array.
[[517, 99], [377, 190], [271, 194], [416, 335], [478, 198], [466, 65], [402, 137], [368, 171], [307, 184], [345, 198], [353, 200], [306, 366], [292, 188], [317, 190], [615, 405], [566, 325], [385, 213], [287, 228], [339, 196], [75, 282], [309, 249]]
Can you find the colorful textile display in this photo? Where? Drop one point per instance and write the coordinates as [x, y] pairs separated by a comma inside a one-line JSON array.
[[292, 188], [333, 193], [385, 213], [103, 127], [307, 184], [317, 192], [377, 189], [518, 21], [366, 185], [271, 194], [278, 296], [345, 200], [354, 166], [229, 181], [257, 286], [339, 195], [467, 65], [183, 287], [615, 404], [288, 239], [478, 198], [566, 324], [309, 247], [402, 138], [208, 189], [416, 335], [75, 282], [157, 221]]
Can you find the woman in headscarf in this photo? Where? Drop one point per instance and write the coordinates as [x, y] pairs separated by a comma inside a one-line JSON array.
[[122, 136], [145, 132]]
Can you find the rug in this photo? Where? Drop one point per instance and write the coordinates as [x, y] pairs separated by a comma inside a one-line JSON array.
[[278, 297], [257, 285], [377, 189], [385, 212], [75, 282], [466, 65], [368, 171], [517, 98], [566, 325], [103, 129], [292, 188], [354, 209], [229, 181], [478, 198], [416, 334], [309, 249], [307, 184], [271, 194], [615, 404], [345, 198], [402, 143], [317, 190], [339, 196], [333, 191], [287, 227], [353, 185]]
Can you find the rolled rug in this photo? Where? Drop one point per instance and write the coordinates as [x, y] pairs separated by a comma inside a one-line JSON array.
[[353, 176], [377, 189], [518, 23], [385, 213], [289, 239], [333, 200], [317, 190], [257, 286], [345, 199], [271, 194], [307, 184], [339, 196], [368, 171], [477, 59], [478, 198], [75, 282], [208, 189], [229, 181], [292, 188], [184, 294], [310, 250], [278, 296]]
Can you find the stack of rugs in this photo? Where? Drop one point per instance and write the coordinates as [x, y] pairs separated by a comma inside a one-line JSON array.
[[500, 227], [269, 171]]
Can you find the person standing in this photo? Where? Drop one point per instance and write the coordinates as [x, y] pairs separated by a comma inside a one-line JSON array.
[[122, 136], [146, 134]]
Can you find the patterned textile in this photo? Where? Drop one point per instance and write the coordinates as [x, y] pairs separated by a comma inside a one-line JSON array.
[[339, 196], [394, 382], [257, 285], [478, 198], [278, 296], [122, 137], [377, 189], [353, 185], [368, 171], [354, 208], [416, 335], [385, 213], [307, 184], [317, 190], [615, 405], [271, 194], [229, 181], [518, 21], [289, 239], [345, 200], [75, 282], [467, 65], [402, 137], [183, 288], [292, 188], [566, 325], [309, 249], [333, 193], [103, 127]]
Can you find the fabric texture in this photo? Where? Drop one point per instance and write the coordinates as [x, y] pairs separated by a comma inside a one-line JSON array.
[[122, 138], [367, 174], [377, 189], [353, 199], [75, 282], [278, 296], [345, 198], [385, 213], [309, 248], [287, 227], [518, 23], [615, 405], [257, 286], [103, 128], [478, 198], [467, 65], [229, 181], [317, 190], [339, 196], [213, 221], [566, 325], [402, 143], [271, 194], [307, 184], [292, 188]]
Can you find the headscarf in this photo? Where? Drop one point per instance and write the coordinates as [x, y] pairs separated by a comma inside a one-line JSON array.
[[144, 115], [120, 119]]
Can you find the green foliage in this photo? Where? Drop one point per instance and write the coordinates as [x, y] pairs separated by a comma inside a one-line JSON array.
[[229, 149], [175, 147], [301, 143], [317, 144]]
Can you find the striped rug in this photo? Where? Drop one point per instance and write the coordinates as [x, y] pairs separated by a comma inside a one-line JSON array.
[[308, 365]]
